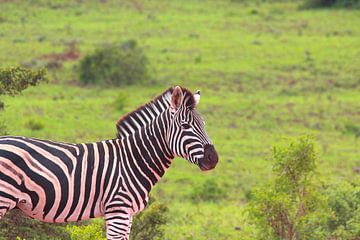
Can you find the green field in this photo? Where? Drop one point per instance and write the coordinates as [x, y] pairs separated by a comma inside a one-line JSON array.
[[265, 71]]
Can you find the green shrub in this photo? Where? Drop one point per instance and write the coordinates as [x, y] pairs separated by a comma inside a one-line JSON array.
[[120, 101], [294, 165], [94, 229], [296, 206], [291, 207], [332, 3], [351, 128], [16, 79], [35, 125], [344, 201], [16, 224], [148, 224], [115, 64], [208, 191]]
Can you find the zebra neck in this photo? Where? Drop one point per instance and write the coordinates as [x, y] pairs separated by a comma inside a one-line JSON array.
[[147, 150]]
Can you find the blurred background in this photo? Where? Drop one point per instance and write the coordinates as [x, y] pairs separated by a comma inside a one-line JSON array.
[[266, 70]]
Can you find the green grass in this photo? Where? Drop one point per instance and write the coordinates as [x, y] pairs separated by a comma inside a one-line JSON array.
[[265, 71]]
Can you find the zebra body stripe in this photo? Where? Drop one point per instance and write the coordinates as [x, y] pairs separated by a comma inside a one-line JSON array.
[[61, 182]]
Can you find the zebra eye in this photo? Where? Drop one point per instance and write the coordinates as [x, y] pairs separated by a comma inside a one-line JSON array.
[[185, 125]]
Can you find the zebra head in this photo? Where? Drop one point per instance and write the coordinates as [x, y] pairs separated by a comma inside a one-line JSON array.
[[187, 136]]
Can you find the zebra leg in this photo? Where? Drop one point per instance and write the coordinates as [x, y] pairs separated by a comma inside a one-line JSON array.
[[130, 223], [118, 224]]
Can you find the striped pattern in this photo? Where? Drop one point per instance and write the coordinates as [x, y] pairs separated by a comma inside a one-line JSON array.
[[60, 182]]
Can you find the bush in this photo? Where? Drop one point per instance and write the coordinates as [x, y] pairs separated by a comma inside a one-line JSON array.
[[35, 125], [115, 65], [209, 191], [291, 207], [332, 3], [295, 206], [344, 201], [351, 128], [148, 224], [16, 224], [16, 79], [95, 229]]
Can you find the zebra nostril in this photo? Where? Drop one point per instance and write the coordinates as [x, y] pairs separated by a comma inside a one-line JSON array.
[[209, 147], [210, 154], [210, 159]]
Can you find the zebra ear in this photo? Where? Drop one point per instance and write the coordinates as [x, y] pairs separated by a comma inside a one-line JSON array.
[[197, 97], [176, 98]]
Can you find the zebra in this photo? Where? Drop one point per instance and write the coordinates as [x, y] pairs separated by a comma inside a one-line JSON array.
[[63, 182]]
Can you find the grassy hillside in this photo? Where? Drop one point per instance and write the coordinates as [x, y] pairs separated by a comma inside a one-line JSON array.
[[265, 71]]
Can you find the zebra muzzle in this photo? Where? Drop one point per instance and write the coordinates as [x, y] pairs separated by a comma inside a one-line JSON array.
[[210, 159]]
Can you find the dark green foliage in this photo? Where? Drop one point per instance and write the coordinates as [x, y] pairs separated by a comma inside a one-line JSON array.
[[351, 128], [16, 224], [115, 64], [35, 125], [148, 224], [208, 191], [344, 201], [14, 80], [309, 3], [332, 3]]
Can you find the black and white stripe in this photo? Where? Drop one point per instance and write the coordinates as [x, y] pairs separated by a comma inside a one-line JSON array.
[[60, 182]]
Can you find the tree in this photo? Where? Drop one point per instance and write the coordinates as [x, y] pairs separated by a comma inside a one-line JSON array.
[[291, 206]]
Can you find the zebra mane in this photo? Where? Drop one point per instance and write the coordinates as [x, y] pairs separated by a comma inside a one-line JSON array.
[[143, 115]]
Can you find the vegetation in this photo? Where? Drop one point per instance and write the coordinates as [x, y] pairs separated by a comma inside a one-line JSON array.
[[15, 224], [291, 206], [265, 69], [296, 205], [120, 101], [333, 3], [15, 79], [115, 65], [90, 230], [344, 201], [208, 191], [35, 125], [148, 224]]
